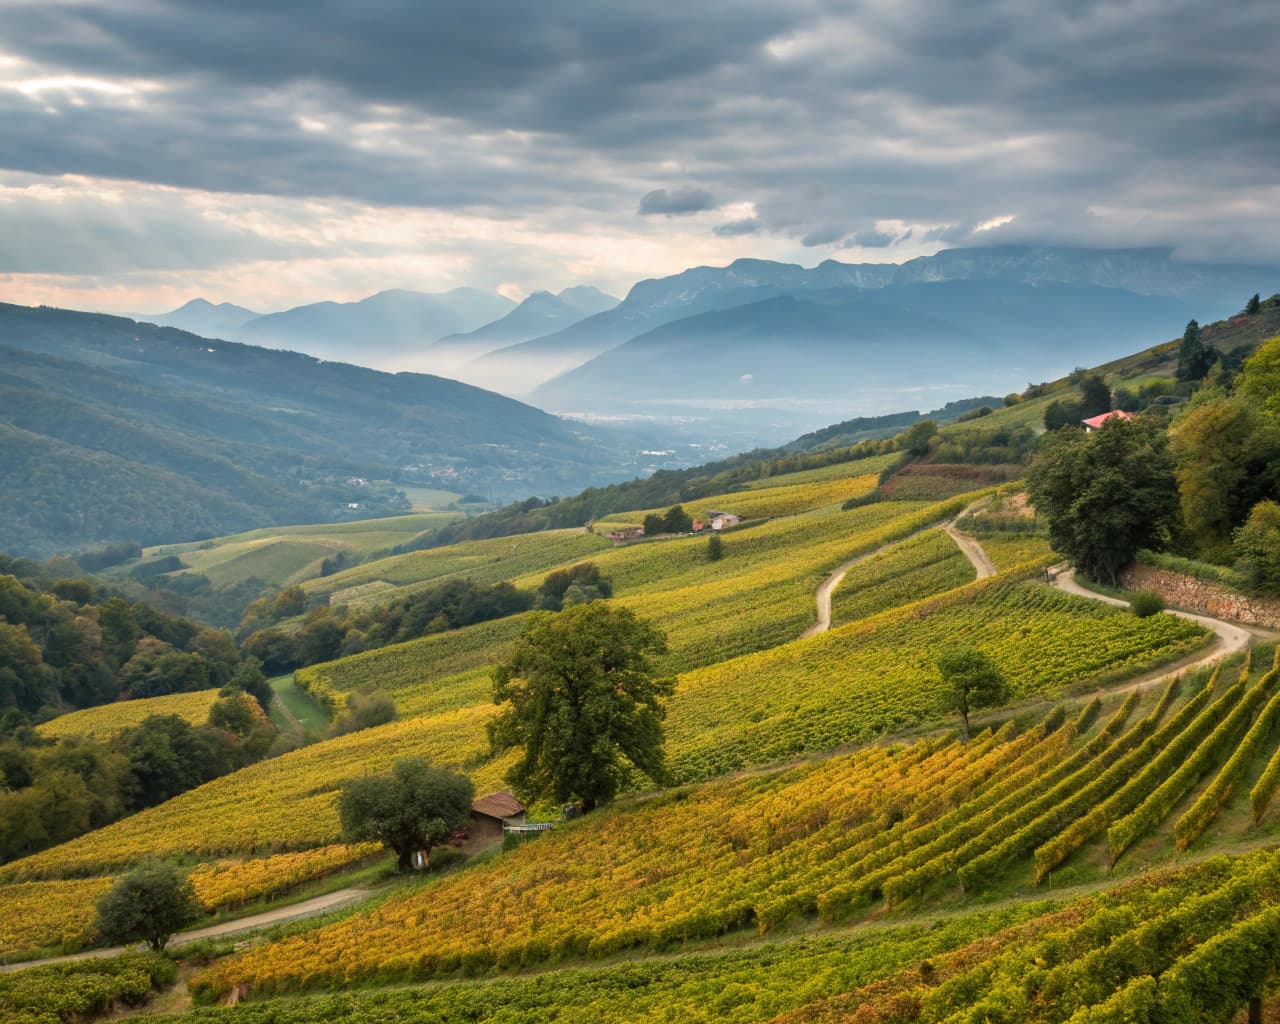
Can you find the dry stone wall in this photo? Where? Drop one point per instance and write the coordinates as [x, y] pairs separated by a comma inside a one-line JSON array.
[[1202, 596]]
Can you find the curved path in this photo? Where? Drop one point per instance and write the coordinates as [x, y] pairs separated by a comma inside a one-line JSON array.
[[1230, 637], [971, 549], [294, 912]]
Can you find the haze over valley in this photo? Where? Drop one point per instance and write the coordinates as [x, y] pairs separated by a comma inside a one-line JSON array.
[[730, 513]]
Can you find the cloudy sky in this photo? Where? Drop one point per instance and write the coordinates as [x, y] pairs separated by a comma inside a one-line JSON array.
[[272, 153]]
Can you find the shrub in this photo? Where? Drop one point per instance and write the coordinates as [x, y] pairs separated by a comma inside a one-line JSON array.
[[1146, 603]]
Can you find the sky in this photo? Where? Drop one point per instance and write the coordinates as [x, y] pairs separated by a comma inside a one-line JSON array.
[[273, 153]]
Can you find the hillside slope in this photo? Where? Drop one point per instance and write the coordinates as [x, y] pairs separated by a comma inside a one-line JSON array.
[[120, 430]]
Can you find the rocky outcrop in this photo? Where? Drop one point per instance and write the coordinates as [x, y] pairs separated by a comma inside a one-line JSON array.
[[1201, 596]]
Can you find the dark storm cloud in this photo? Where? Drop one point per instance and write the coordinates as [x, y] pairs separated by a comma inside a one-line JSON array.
[[737, 228], [676, 201], [823, 236], [872, 239], [816, 112]]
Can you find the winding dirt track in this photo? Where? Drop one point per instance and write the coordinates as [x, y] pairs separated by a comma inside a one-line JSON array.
[[971, 549], [1230, 637], [309, 908]]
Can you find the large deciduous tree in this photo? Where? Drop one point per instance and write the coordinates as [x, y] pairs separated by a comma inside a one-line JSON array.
[[413, 807], [1105, 494], [583, 702], [1228, 459]]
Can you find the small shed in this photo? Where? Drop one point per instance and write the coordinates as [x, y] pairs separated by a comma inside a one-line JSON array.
[[1094, 422], [489, 814]]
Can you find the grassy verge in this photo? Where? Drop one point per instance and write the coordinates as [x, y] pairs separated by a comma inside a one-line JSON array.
[[295, 711]]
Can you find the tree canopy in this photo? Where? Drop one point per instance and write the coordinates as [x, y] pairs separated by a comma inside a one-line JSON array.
[[413, 807], [148, 904], [974, 681], [1105, 494], [583, 702]]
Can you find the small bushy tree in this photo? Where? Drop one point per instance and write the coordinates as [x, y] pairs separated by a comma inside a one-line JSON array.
[[148, 904], [1257, 545], [584, 580], [412, 807], [974, 681], [1146, 603], [364, 711], [715, 548]]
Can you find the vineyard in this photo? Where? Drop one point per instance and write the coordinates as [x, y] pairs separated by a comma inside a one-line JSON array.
[[825, 845], [921, 567], [878, 675], [831, 839], [481, 561], [60, 913], [106, 720], [779, 499]]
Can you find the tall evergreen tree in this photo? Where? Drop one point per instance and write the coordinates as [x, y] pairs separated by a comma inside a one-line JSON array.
[[1194, 356]]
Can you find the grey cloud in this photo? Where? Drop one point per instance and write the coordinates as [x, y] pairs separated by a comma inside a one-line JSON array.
[[676, 201], [737, 228], [1042, 110], [823, 236], [82, 235], [873, 239]]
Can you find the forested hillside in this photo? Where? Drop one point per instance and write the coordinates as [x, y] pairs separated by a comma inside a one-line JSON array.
[[115, 430]]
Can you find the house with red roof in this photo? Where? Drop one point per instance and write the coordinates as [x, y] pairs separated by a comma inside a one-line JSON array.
[[1094, 422]]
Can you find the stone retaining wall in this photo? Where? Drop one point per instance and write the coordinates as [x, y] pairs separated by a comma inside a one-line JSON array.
[[1202, 596]]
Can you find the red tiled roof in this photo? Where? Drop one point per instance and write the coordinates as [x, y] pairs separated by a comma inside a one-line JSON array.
[[502, 804], [1097, 421]]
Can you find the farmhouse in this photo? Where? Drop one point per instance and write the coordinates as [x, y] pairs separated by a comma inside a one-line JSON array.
[[490, 813], [720, 520], [1094, 422]]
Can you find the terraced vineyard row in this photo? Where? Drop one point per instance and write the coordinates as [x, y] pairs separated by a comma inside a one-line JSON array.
[[106, 720], [776, 500], [1108, 959], [920, 568], [688, 865], [879, 675], [747, 985]]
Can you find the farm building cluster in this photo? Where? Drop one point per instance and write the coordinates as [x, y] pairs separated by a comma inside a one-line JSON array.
[[713, 521]]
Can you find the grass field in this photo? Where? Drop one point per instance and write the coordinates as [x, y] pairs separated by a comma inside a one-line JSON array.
[[280, 556], [428, 499], [483, 561], [294, 710]]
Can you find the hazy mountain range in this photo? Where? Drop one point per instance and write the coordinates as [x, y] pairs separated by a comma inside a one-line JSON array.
[[761, 350]]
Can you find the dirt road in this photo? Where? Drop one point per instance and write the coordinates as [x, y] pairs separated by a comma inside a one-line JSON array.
[[296, 911]]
